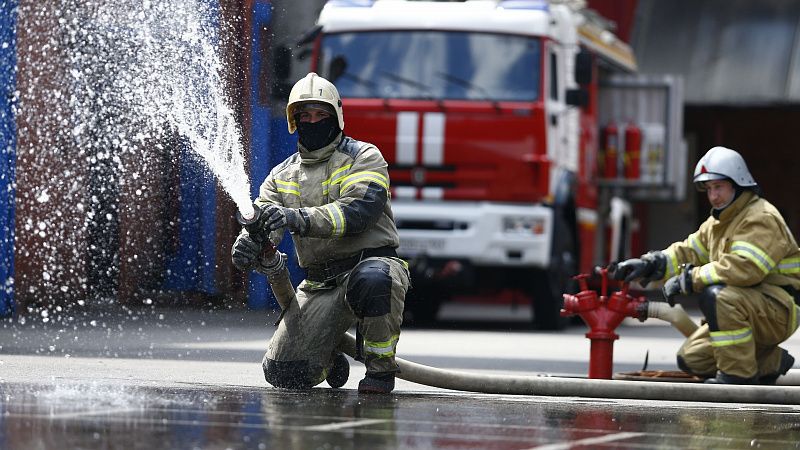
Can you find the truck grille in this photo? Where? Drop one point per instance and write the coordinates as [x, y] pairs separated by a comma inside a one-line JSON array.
[[442, 225]]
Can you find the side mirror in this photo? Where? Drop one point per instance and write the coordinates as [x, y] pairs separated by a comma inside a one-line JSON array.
[[583, 68], [309, 36], [304, 53], [578, 97], [282, 64], [281, 69]]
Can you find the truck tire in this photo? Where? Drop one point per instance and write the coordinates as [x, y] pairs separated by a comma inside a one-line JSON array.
[[422, 306], [549, 285]]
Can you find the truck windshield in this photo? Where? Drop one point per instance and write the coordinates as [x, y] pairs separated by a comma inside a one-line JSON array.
[[432, 65]]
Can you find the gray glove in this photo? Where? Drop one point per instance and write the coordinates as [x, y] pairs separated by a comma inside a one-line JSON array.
[[278, 217], [648, 268], [245, 252], [679, 284], [630, 269]]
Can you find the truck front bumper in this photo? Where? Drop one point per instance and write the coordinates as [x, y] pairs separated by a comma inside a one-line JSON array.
[[485, 234]]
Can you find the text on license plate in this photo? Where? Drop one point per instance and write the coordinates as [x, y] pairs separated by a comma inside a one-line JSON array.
[[417, 246]]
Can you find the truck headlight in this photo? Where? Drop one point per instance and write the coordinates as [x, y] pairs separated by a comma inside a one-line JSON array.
[[523, 225]]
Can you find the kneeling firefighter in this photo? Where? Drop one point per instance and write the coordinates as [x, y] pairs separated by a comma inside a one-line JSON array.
[[332, 195], [745, 265]]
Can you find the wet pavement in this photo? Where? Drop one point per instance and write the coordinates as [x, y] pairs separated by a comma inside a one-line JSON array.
[[184, 380], [101, 415]]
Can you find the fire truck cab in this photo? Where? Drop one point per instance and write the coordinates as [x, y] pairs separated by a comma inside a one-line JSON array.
[[490, 115]]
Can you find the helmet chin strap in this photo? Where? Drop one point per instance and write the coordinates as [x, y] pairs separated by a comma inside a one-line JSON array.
[[736, 194], [726, 204]]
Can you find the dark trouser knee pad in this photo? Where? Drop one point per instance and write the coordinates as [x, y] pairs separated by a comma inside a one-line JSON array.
[[708, 304], [287, 374], [369, 291]]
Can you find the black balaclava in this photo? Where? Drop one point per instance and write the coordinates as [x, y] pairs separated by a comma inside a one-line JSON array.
[[314, 136]]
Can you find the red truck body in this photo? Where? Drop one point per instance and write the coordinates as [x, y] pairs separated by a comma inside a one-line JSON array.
[[489, 115]]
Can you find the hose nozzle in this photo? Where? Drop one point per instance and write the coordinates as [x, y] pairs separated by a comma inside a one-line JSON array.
[[252, 224], [246, 219]]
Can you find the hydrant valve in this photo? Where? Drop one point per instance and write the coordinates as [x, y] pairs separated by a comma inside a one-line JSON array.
[[602, 314]]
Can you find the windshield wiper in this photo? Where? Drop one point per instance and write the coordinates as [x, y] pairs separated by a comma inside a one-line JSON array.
[[371, 85], [338, 69], [471, 86], [426, 90]]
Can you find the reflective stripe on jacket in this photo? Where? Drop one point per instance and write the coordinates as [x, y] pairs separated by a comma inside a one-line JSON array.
[[749, 244], [343, 189]]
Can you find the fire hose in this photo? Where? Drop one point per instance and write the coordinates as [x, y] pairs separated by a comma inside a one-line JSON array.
[[278, 275], [580, 387]]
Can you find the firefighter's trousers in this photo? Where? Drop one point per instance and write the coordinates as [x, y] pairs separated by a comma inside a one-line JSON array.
[[742, 340], [372, 295]]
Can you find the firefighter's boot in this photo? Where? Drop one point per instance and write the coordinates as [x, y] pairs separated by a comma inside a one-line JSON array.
[[377, 384], [787, 361], [724, 378], [339, 371]]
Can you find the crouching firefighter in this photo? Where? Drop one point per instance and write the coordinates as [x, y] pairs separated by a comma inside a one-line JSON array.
[[744, 265], [332, 195]]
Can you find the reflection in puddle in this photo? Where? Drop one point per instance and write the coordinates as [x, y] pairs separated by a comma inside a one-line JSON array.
[[106, 414]]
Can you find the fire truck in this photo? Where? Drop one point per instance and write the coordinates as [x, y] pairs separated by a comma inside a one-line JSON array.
[[519, 138]]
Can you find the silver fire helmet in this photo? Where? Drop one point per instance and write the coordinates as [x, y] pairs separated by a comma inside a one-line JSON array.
[[313, 89], [720, 163]]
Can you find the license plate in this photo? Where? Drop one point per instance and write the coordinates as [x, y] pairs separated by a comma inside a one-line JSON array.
[[418, 246]]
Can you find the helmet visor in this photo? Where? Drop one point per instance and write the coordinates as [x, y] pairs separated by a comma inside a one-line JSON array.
[[300, 108], [314, 106], [700, 179]]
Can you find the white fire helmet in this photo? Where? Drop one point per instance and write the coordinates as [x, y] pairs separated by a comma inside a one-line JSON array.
[[313, 89], [720, 163]]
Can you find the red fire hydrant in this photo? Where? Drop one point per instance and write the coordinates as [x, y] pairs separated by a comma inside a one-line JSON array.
[[602, 314]]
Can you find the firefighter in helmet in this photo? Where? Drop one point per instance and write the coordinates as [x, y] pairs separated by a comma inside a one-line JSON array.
[[744, 264], [332, 195]]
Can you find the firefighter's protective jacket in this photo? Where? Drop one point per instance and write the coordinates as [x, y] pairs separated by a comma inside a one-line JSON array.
[[748, 246], [342, 189]]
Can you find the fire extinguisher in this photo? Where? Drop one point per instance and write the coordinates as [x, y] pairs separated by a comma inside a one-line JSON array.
[[610, 150], [633, 149]]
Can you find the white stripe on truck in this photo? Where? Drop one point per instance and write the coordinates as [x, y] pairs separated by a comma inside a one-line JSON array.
[[407, 124], [433, 139]]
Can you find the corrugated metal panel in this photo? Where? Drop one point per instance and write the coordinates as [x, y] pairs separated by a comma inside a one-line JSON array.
[[729, 52], [8, 145]]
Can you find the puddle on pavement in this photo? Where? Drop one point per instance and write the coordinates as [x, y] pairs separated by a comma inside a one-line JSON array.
[[69, 414]]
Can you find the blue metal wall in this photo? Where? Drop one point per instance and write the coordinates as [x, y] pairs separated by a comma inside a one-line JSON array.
[[8, 143], [259, 294], [192, 267]]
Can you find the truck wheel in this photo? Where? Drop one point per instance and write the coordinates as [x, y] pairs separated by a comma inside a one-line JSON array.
[[421, 306], [549, 285], [548, 289]]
